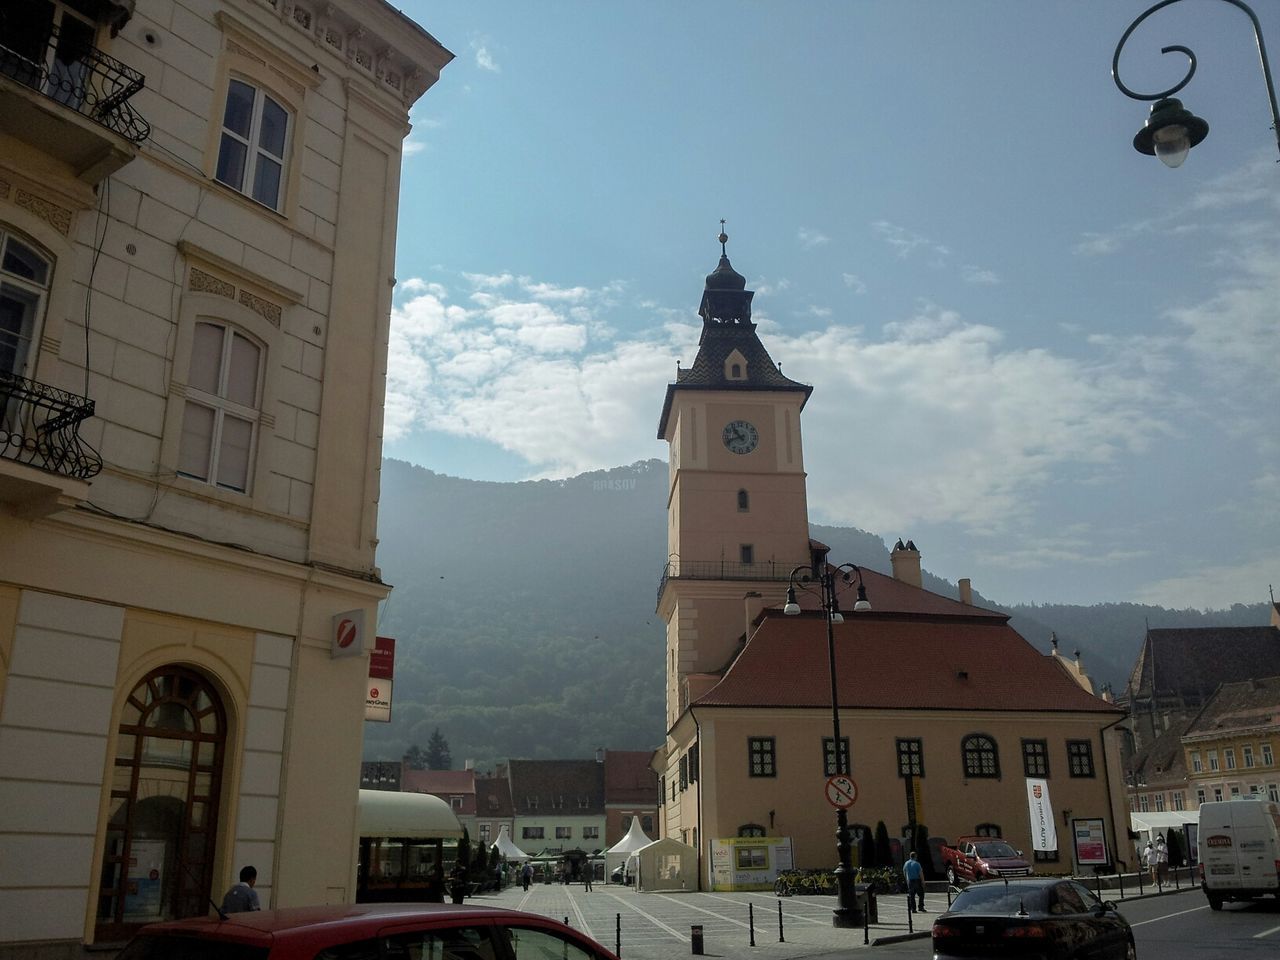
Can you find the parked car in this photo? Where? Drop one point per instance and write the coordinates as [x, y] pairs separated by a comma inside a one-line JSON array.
[[979, 858], [394, 931], [1043, 917], [1239, 848]]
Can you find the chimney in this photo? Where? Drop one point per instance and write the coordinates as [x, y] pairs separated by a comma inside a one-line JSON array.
[[966, 591], [468, 764], [599, 754], [906, 563], [752, 604]]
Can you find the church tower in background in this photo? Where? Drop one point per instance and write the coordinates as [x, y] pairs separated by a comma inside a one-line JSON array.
[[737, 517]]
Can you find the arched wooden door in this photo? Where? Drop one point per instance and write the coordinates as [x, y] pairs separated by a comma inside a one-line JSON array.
[[158, 858]]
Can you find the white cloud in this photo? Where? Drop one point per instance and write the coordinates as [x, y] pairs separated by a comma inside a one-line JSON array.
[[854, 282], [811, 238], [765, 288], [1209, 587], [974, 274], [484, 58], [906, 242]]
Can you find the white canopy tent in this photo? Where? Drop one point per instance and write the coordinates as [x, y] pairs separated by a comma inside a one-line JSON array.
[[386, 813], [506, 846], [1147, 825], [625, 849], [667, 864]]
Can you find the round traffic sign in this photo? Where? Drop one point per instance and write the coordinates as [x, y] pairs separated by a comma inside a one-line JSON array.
[[842, 792]]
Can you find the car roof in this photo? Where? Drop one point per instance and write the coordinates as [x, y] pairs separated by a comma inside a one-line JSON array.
[[1033, 883], [358, 919]]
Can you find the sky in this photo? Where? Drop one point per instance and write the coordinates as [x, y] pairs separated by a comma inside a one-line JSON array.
[[1049, 360]]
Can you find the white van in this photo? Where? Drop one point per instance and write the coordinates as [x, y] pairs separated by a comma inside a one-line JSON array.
[[1239, 849]]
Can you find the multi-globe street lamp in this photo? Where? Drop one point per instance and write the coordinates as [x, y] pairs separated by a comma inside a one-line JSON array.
[[1171, 130], [847, 912]]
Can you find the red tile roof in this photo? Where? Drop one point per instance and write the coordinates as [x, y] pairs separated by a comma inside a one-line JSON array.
[[887, 660], [628, 777], [439, 781], [493, 797]]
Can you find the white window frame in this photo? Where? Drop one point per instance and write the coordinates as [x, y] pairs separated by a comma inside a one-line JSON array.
[[33, 322], [1213, 760], [1229, 758], [1273, 791], [1266, 755], [1246, 755], [223, 407], [1178, 802], [1159, 803], [253, 148], [1196, 765]]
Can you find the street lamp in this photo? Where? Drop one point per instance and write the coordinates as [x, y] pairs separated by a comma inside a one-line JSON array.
[[380, 775], [1171, 130], [847, 913]]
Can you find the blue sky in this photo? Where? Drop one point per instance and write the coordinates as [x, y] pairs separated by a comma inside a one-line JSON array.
[[1049, 360]]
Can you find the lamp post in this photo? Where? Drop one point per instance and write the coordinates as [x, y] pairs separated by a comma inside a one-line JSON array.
[[1171, 130], [380, 775], [847, 913]]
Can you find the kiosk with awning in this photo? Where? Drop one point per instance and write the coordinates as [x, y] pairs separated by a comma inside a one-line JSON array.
[[407, 841]]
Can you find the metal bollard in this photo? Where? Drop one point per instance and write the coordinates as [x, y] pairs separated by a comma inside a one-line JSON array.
[[910, 914], [1120, 881], [781, 938], [695, 938], [866, 925], [617, 935], [751, 923]]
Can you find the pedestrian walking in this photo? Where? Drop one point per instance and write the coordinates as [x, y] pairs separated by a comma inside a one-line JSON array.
[[242, 898], [526, 876], [586, 875], [913, 870]]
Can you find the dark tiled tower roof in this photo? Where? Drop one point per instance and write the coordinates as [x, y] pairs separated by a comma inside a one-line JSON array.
[[726, 327]]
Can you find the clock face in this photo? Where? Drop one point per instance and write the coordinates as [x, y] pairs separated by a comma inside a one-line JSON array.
[[740, 436]]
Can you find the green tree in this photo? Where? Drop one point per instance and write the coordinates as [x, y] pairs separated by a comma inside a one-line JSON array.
[[921, 847], [884, 852], [438, 757], [866, 850], [415, 758]]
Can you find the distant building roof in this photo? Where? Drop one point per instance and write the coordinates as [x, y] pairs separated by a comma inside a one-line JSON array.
[[1160, 762], [574, 787], [955, 663], [1239, 707], [493, 797], [628, 777], [1191, 662], [438, 781]]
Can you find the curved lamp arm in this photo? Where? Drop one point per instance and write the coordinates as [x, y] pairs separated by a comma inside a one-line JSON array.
[[1191, 66]]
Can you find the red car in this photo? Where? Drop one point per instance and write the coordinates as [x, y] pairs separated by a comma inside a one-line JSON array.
[[366, 931]]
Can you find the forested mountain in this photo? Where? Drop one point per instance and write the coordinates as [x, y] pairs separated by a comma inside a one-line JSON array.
[[524, 612]]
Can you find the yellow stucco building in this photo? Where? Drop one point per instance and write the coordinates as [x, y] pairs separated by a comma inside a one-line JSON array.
[[198, 209], [939, 700]]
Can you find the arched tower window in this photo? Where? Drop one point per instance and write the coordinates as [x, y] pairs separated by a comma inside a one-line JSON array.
[[744, 501], [157, 862], [751, 830], [981, 758]]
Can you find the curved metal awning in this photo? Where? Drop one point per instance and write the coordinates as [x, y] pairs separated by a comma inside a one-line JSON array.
[[385, 813]]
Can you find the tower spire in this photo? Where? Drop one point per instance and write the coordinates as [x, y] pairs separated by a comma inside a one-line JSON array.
[[723, 238]]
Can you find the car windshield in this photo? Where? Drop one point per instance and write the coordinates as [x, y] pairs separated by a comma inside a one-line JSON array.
[[999, 898], [996, 848], [166, 947]]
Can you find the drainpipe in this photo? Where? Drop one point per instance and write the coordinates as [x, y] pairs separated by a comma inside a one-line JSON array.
[[697, 820], [1106, 775]]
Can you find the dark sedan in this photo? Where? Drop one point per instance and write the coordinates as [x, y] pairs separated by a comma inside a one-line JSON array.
[[1042, 917]]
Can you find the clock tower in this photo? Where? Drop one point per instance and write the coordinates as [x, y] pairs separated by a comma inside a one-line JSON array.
[[737, 517]]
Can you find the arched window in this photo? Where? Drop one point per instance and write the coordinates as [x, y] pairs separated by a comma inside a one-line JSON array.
[[744, 501], [224, 396], [25, 274], [988, 830], [253, 151], [981, 758], [735, 372], [157, 862], [751, 830]]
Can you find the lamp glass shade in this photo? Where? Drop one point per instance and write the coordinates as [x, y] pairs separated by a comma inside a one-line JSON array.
[[1172, 144], [792, 608], [837, 616]]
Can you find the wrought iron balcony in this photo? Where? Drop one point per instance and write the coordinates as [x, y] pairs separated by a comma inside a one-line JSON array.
[[40, 427], [724, 570], [65, 67]]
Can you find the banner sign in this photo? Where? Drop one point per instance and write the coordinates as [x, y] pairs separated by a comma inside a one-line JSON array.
[[1091, 841], [382, 662], [748, 863], [348, 635], [377, 701], [1044, 834]]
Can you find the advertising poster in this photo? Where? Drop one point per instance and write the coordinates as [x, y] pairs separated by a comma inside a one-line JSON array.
[[143, 888], [1091, 841], [748, 863], [1044, 834]]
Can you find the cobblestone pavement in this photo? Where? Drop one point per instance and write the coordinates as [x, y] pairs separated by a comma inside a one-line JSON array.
[[656, 926]]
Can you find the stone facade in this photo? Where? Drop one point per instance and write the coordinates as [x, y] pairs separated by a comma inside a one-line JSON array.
[[224, 302]]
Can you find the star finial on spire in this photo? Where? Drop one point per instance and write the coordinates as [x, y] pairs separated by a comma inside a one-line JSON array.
[[723, 238]]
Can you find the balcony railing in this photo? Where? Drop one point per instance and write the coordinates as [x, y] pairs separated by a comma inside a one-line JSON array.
[[40, 426], [725, 570], [69, 70]]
